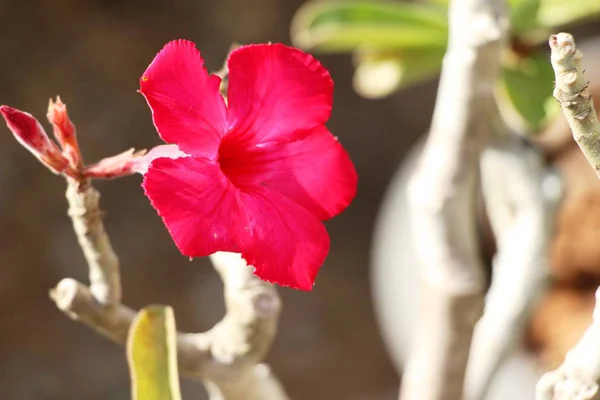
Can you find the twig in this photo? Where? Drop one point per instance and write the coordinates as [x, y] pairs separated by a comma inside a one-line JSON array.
[[575, 99], [442, 199], [103, 264], [226, 358], [578, 376], [521, 198], [556, 136]]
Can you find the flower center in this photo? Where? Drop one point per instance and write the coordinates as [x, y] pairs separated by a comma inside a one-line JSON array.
[[231, 160]]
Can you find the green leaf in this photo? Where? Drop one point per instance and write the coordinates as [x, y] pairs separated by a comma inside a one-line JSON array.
[[152, 355], [443, 3], [378, 74], [554, 13], [523, 16], [526, 87], [342, 26], [511, 3]]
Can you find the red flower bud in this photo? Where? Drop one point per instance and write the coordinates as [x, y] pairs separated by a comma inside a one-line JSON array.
[[64, 132], [30, 133]]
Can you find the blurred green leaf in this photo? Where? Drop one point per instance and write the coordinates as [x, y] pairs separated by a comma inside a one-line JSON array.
[[528, 16], [527, 85], [396, 44], [443, 3], [523, 15], [511, 3], [554, 13], [378, 74], [383, 25], [152, 355]]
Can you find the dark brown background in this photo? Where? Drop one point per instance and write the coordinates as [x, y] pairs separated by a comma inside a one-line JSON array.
[[92, 54]]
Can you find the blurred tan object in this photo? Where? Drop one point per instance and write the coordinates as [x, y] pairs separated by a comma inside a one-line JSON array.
[[561, 317], [577, 377]]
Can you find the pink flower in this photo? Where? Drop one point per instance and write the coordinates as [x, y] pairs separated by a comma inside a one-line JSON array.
[[260, 174]]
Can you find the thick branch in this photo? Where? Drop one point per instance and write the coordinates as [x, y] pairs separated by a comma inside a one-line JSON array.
[[578, 376], [226, 357], [521, 198], [442, 198]]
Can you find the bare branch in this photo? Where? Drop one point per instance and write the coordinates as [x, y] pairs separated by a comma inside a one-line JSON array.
[[442, 199], [578, 376], [103, 264], [574, 96], [226, 358], [77, 301], [521, 198]]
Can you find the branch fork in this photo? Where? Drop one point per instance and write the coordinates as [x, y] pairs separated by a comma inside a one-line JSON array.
[[227, 357]]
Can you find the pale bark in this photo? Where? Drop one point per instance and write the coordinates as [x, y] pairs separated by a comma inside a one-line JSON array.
[[572, 92], [442, 197], [103, 264], [577, 378], [521, 198], [227, 358]]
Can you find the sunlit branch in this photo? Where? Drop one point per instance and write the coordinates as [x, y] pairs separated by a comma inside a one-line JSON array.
[[578, 376], [226, 358], [573, 94], [103, 264]]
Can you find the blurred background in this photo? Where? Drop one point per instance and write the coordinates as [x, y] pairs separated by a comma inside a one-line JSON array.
[[92, 53]]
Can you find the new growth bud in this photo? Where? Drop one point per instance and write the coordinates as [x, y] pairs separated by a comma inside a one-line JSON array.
[[30, 133], [117, 166], [64, 132]]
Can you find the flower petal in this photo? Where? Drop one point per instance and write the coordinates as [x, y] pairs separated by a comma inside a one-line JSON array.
[[315, 171], [289, 242], [198, 204], [187, 107], [274, 91], [141, 165]]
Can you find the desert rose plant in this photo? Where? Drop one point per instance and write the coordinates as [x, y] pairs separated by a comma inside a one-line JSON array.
[[249, 172], [249, 168]]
